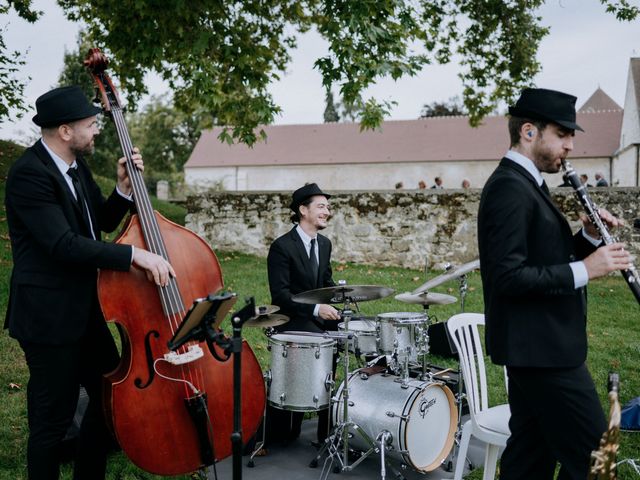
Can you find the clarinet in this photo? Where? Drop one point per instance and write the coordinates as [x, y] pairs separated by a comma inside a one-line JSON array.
[[630, 274]]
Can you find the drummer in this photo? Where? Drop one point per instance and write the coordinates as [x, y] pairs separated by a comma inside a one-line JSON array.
[[299, 261]]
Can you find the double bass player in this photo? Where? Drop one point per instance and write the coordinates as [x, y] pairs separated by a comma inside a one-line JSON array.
[[55, 213]]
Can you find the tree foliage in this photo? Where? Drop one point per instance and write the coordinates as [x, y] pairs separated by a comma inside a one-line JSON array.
[[330, 112], [164, 135], [451, 107], [11, 86], [219, 57]]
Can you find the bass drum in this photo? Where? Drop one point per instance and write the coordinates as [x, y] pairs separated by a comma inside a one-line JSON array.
[[420, 416]]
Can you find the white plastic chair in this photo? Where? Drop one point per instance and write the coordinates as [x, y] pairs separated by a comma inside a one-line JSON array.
[[490, 425]]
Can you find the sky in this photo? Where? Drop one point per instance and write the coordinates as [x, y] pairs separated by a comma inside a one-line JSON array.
[[585, 49]]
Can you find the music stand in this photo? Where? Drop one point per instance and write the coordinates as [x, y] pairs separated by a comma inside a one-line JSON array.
[[203, 319]]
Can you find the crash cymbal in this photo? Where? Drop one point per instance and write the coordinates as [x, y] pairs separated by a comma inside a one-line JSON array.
[[448, 275], [426, 298], [265, 321], [343, 293]]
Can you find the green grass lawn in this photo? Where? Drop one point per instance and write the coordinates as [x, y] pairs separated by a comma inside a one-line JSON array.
[[613, 333]]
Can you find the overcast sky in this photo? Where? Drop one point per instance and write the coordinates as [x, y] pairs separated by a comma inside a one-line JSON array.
[[586, 48]]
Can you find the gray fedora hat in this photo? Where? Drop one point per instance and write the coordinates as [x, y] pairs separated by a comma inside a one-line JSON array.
[[62, 105]]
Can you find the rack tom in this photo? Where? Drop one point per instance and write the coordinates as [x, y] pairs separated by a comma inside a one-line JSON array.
[[401, 333], [367, 335]]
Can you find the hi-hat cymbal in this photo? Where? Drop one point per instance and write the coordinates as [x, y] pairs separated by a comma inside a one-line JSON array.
[[343, 293], [426, 298], [265, 310], [265, 321], [449, 275]]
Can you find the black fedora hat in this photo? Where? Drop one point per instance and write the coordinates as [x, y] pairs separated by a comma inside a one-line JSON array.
[[549, 105], [301, 194], [62, 105]]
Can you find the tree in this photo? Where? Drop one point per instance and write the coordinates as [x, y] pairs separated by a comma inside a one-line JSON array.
[[164, 135], [11, 87], [330, 113], [451, 107]]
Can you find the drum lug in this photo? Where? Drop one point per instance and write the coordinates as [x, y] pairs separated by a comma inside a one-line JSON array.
[[284, 351], [315, 400], [267, 377], [317, 352], [392, 415], [328, 383], [283, 397]]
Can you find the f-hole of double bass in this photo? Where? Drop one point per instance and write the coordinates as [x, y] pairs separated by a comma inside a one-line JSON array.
[[149, 355]]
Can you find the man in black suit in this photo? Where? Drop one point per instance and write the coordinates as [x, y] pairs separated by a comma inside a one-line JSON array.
[[299, 261], [534, 273], [55, 212]]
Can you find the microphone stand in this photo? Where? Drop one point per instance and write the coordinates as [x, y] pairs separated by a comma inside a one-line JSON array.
[[235, 347]]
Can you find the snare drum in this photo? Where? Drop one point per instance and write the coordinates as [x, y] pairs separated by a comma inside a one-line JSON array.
[[400, 332], [300, 378], [367, 335], [420, 416]]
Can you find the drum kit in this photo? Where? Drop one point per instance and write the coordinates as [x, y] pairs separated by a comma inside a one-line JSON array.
[[394, 404]]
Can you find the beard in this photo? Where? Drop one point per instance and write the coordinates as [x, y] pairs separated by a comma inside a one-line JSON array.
[[546, 160], [82, 150]]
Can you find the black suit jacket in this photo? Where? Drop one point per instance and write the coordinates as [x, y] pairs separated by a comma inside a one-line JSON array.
[[290, 273], [534, 315], [53, 283]]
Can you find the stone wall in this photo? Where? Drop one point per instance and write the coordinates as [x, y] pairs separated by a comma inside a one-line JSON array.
[[409, 228]]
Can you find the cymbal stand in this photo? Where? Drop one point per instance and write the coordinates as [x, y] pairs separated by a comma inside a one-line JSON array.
[[337, 444], [425, 339], [462, 288]]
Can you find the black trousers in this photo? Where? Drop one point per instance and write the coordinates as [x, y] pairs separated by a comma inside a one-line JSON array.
[[56, 373], [556, 417]]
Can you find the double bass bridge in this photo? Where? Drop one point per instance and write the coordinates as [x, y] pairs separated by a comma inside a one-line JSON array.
[[193, 353]]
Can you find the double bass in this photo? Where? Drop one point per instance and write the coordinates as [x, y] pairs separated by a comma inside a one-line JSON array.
[[172, 413]]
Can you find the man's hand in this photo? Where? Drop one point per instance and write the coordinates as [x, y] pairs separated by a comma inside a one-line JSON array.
[[327, 312], [158, 270], [124, 183], [607, 218], [607, 259]]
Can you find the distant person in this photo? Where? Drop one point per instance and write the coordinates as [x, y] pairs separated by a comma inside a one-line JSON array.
[[438, 183], [584, 178], [399, 185], [422, 185], [600, 181], [466, 184]]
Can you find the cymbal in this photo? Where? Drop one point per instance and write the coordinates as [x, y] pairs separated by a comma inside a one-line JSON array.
[[265, 321], [265, 310], [448, 275], [342, 293], [426, 298]]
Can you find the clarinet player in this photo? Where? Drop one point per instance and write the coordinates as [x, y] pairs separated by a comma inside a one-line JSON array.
[[534, 276]]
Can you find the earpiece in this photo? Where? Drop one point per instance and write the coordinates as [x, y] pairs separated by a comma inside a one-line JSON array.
[[530, 133]]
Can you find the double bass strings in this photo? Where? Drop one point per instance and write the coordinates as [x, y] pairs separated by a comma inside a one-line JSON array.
[[169, 296]]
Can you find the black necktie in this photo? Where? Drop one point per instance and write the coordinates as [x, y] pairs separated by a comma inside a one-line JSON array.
[[80, 197], [314, 260], [545, 189]]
